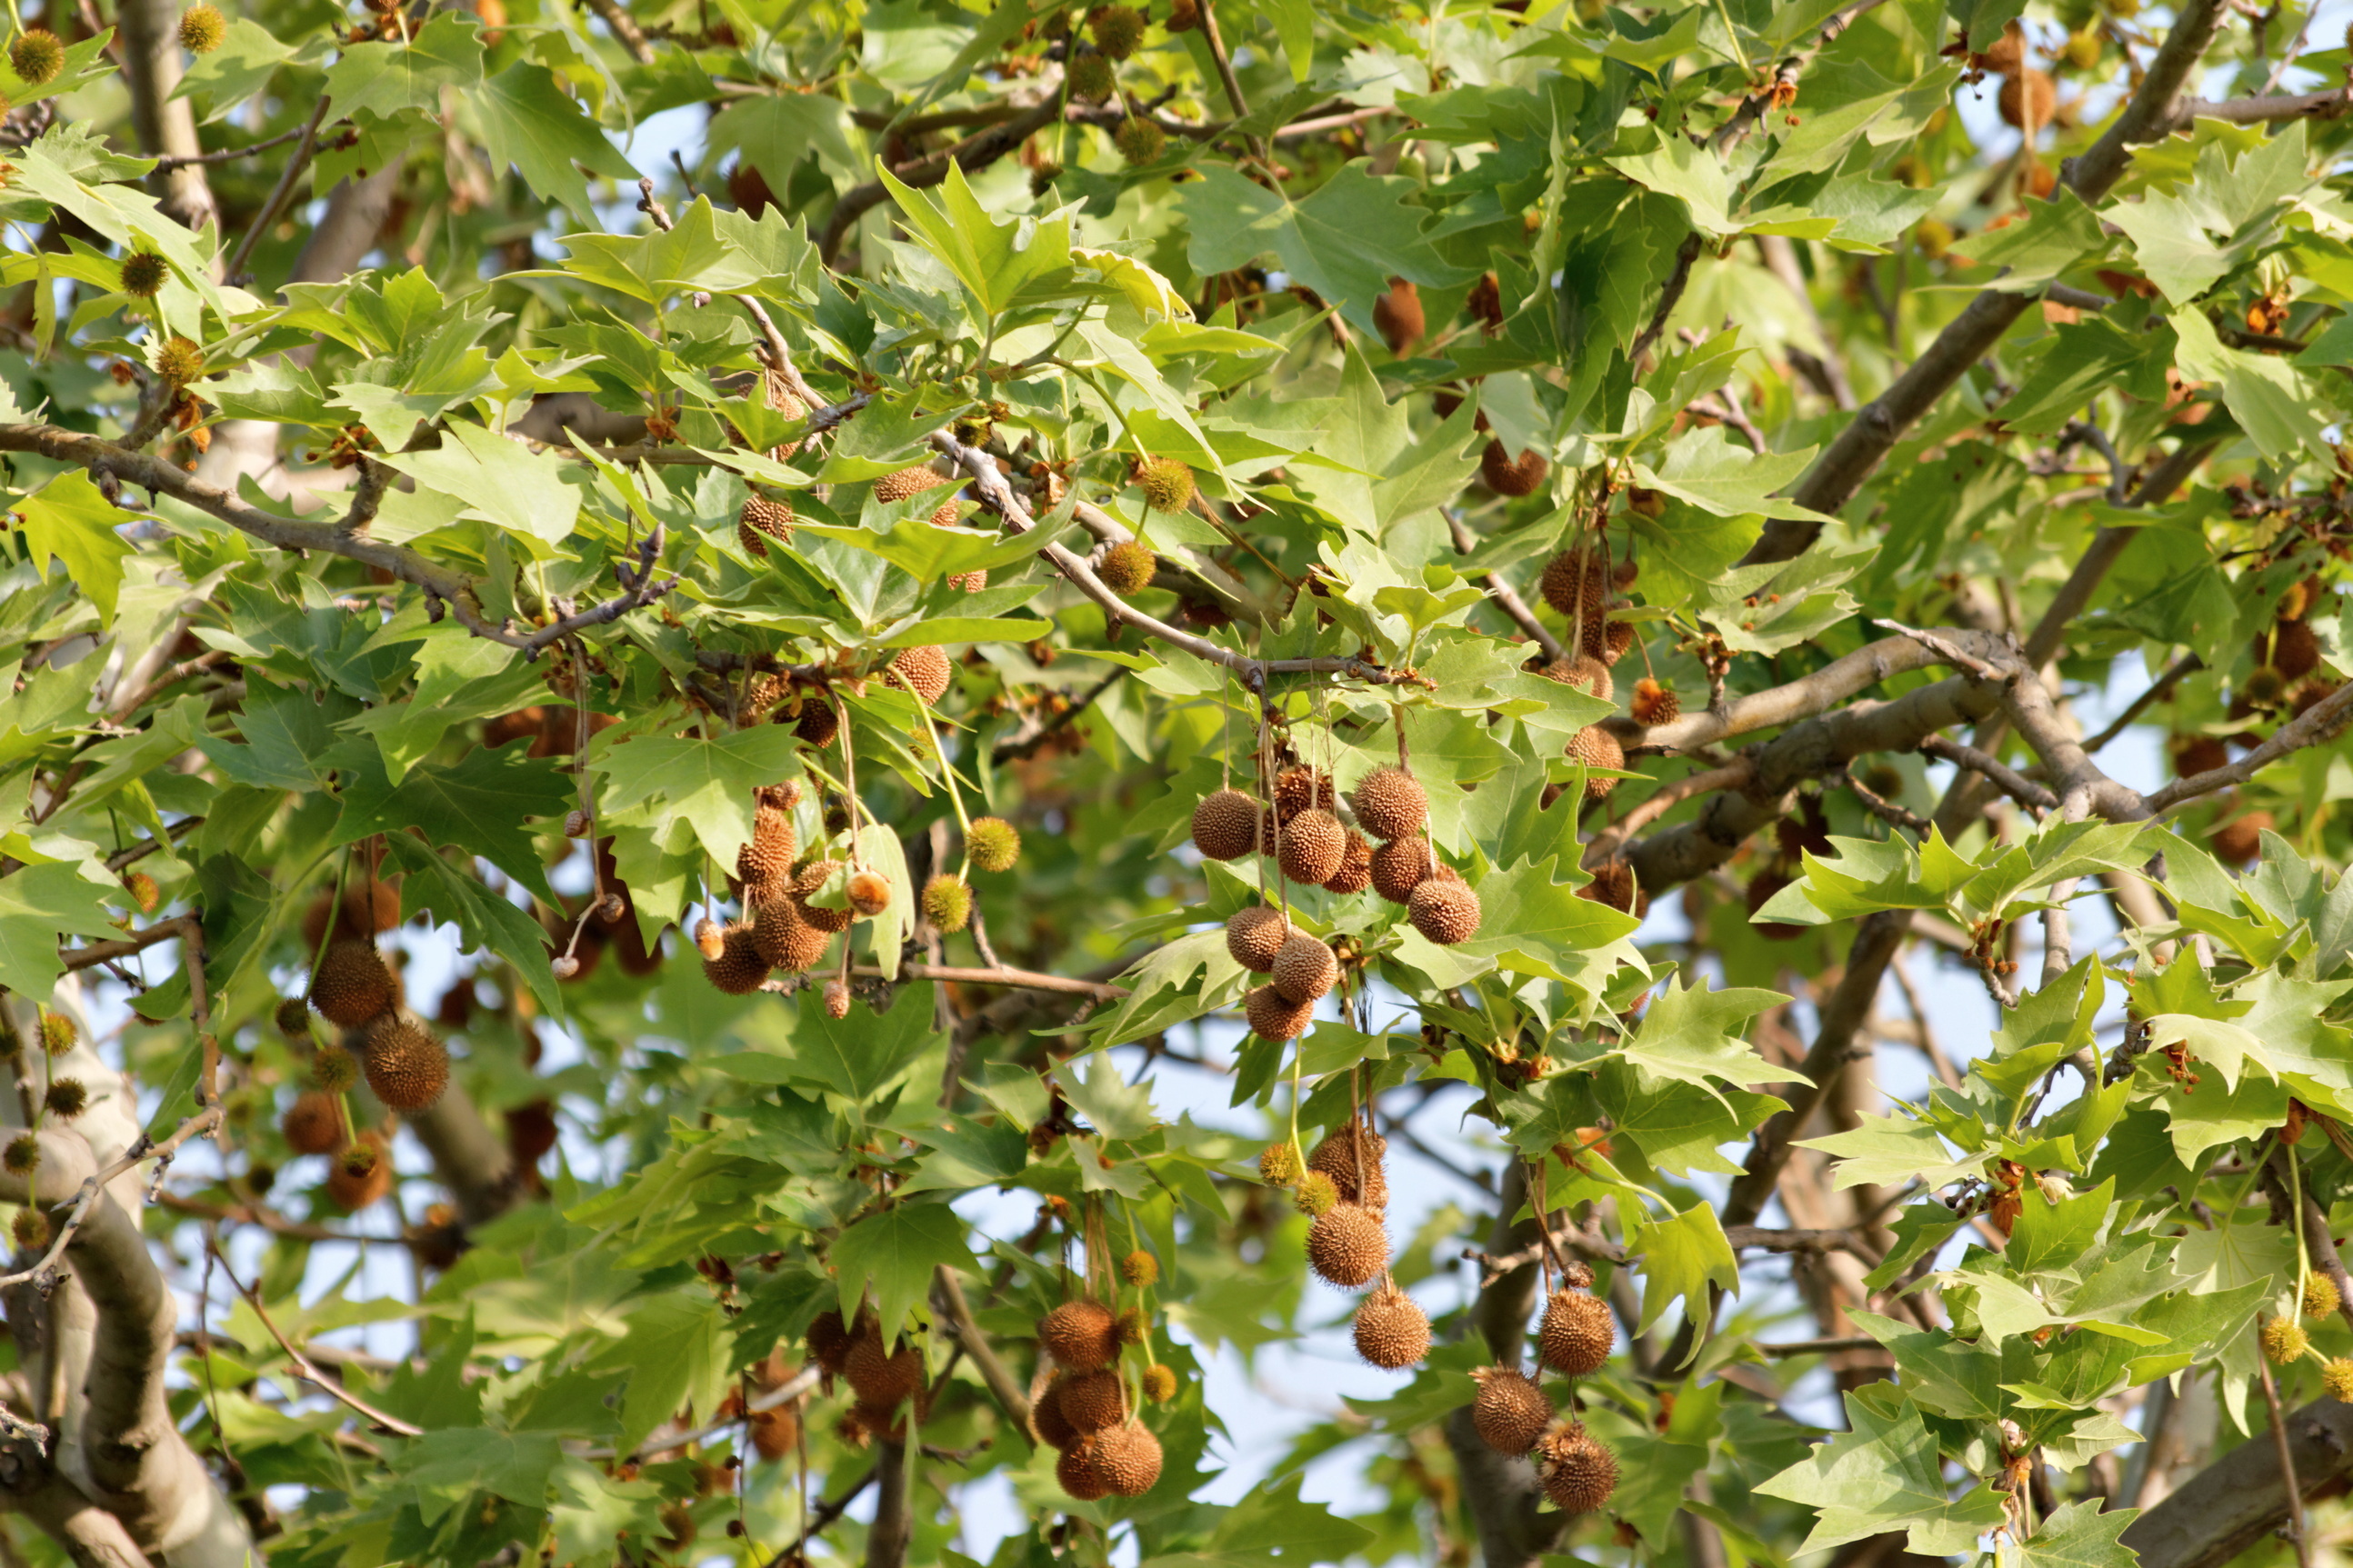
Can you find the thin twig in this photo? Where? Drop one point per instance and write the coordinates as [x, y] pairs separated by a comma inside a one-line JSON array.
[[311, 1374]]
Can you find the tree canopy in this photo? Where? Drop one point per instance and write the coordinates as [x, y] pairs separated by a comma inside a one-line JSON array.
[[888, 725]]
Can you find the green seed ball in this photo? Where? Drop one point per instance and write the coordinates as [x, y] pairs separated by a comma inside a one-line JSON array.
[[1317, 1194], [1093, 79], [145, 273], [37, 55], [66, 1098], [1167, 483], [23, 1156], [992, 844], [31, 1230], [1127, 567], [334, 1069], [202, 28], [58, 1035], [947, 903], [1117, 29], [1140, 141]]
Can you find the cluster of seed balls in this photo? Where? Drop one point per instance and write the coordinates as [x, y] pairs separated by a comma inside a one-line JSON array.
[[1301, 830], [882, 1376], [1512, 1414], [2286, 1341], [65, 1099], [783, 930], [1577, 583], [1084, 1411], [1348, 1244]]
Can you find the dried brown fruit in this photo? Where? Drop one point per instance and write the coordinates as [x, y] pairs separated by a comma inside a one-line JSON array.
[[1400, 866], [1578, 1474], [1225, 825], [353, 984], [739, 970], [1598, 748], [1391, 1329], [1390, 804], [407, 1065], [1356, 872], [1445, 911], [1274, 1016], [1510, 1413], [1304, 968], [1092, 1401], [1509, 476], [1348, 1245], [1576, 1333], [313, 1123], [1313, 844], [1080, 1335], [1254, 937]]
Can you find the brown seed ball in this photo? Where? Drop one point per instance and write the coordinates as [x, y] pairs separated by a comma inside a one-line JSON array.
[[1612, 884], [807, 884], [1578, 1473], [1079, 1475], [2295, 649], [739, 970], [765, 863], [1126, 568], [1054, 1429], [1509, 476], [1392, 1330], [2238, 841], [1297, 789], [1511, 1413], [925, 671], [1576, 1333], [1584, 672], [1654, 704], [353, 985], [407, 1065], [1128, 1458], [371, 1183], [1254, 937], [1617, 637], [1598, 748], [761, 519], [314, 1125], [2008, 52], [2027, 99], [1274, 1016], [1093, 1401], [1348, 1245], [1336, 1157], [829, 1339], [1225, 825], [1356, 872], [818, 723], [1400, 866], [899, 484], [1314, 843], [1446, 912], [882, 1379], [1304, 968], [1397, 315], [1080, 1335], [868, 893], [710, 937], [1390, 804], [1575, 583], [774, 1433], [293, 1019], [531, 1131], [784, 941]]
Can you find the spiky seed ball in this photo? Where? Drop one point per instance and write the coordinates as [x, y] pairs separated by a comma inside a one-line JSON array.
[[947, 903], [1510, 1413], [1160, 1383], [180, 361], [1128, 1458], [1390, 804], [1510, 476], [1578, 1473], [2295, 649], [313, 1123], [818, 723], [59, 1034], [1392, 1330], [1336, 1157], [1126, 568], [1304, 968], [2320, 1297], [1167, 484], [1585, 673], [1255, 935], [1052, 1427], [1079, 1475], [334, 1071], [1400, 866], [1655, 704], [869, 892], [1117, 29], [766, 862], [1093, 1401], [1140, 141], [37, 55], [806, 883], [829, 1340], [762, 518], [1576, 585], [1134, 1327], [202, 28], [992, 844], [1348, 1245], [145, 273], [925, 671], [353, 984], [2285, 1341], [710, 937], [362, 1175], [785, 941], [1274, 1016], [1279, 1166], [1356, 872], [407, 1065], [1612, 884], [1596, 748], [1300, 787], [1576, 1333], [292, 1017], [1091, 78], [31, 1230], [1140, 1268], [1225, 825], [66, 1098], [900, 483], [23, 1156], [739, 970], [2337, 1378], [1080, 1335], [1316, 1195], [1313, 844], [883, 1379], [1446, 912], [1617, 637]]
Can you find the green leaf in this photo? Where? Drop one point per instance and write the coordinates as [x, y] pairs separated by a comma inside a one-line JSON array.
[[443, 1469], [481, 804], [654, 267], [485, 922], [382, 79], [676, 1353], [1690, 173], [2270, 399], [39, 904], [893, 1253], [705, 783], [995, 261], [856, 1056], [1686, 1033], [529, 121], [498, 481], [1884, 1150], [1682, 1256], [1884, 1475], [2079, 1535], [70, 519]]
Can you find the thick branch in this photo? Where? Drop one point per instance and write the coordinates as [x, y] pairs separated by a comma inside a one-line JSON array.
[[2240, 1498], [1825, 688]]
